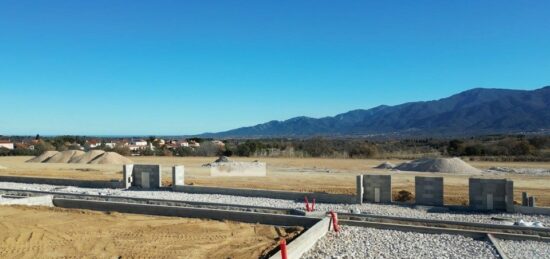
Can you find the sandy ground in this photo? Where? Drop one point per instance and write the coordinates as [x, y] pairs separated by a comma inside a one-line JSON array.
[[297, 174], [42, 232]]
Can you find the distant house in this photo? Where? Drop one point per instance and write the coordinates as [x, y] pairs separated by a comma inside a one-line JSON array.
[[184, 144], [93, 143], [218, 143], [139, 143], [6, 144], [110, 144], [193, 143]]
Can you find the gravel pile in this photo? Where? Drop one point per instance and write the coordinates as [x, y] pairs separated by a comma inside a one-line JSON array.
[[368, 208], [438, 165], [358, 242], [525, 249]]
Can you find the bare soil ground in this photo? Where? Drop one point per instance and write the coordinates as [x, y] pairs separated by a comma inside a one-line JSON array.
[[42, 232], [297, 174]]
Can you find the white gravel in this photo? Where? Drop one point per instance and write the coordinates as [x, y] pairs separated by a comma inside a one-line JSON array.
[[525, 249], [368, 208], [359, 242]]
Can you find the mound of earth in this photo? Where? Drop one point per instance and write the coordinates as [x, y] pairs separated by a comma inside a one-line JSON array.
[[111, 158], [43, 157], [385, 165], [86, 157], [438, 165], [64, 156]]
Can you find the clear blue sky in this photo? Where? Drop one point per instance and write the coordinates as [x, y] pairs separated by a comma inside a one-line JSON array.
[[185, 67]]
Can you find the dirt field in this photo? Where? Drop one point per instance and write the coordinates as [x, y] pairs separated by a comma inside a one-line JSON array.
[[298, 174], [41, 232]]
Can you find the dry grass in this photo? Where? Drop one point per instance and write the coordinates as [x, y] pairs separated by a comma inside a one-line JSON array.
[[297, 174]]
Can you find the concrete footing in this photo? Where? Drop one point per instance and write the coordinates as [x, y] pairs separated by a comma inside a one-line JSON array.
[[306, 240], [44, 200]]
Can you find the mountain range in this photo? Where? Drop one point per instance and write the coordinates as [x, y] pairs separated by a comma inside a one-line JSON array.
[[472, 112]]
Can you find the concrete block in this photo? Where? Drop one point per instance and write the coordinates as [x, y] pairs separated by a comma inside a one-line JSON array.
[[127, 172], [147, 176], [178, 175], [359, 188], [377, 188], [429, 191], [532, 201], [524, 199], [491, 194]]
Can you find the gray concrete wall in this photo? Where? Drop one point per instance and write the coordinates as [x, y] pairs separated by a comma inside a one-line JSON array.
[[377, 188], [295, 196], [64, 182], [483, 191], [178, 175], [429, 190], [300, 245], [140, 173]]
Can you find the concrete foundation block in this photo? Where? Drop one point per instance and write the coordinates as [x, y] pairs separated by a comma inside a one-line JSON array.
[[178, 175], [524, 199], [429, 191], [127, 174], [491, 194], [377, 188], [147, 176], [532, 201], [359, 188]]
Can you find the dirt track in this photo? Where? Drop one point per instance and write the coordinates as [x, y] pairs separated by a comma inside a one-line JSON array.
[[41, 232]]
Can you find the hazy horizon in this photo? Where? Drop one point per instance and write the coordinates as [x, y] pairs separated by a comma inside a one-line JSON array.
[[183, 68]]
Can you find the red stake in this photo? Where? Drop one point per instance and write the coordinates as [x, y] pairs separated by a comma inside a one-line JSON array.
[[334, 217], [283, 249], [307, 204], [313, 205]]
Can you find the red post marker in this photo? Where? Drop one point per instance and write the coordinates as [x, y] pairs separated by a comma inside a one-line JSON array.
[[313, 205], [334, 218], [283, 249], [307, 204]]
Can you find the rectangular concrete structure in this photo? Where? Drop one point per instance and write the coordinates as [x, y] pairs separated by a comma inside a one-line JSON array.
[[377, 188], [429, 190], [491, 194], [178, 175], [127, 174], [147, 176]]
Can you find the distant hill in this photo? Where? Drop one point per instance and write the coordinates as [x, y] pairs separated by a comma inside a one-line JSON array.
[[476, 111]]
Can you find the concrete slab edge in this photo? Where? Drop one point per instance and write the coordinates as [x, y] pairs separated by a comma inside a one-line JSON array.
[[125, 199], [300, 245], [45, 200], [174, 211], [497, 246], [64, 182]]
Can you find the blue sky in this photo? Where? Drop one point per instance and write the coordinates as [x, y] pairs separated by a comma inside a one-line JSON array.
[[185, 67]]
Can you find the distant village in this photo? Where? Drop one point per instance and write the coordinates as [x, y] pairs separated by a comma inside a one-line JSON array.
[[124, 146]]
